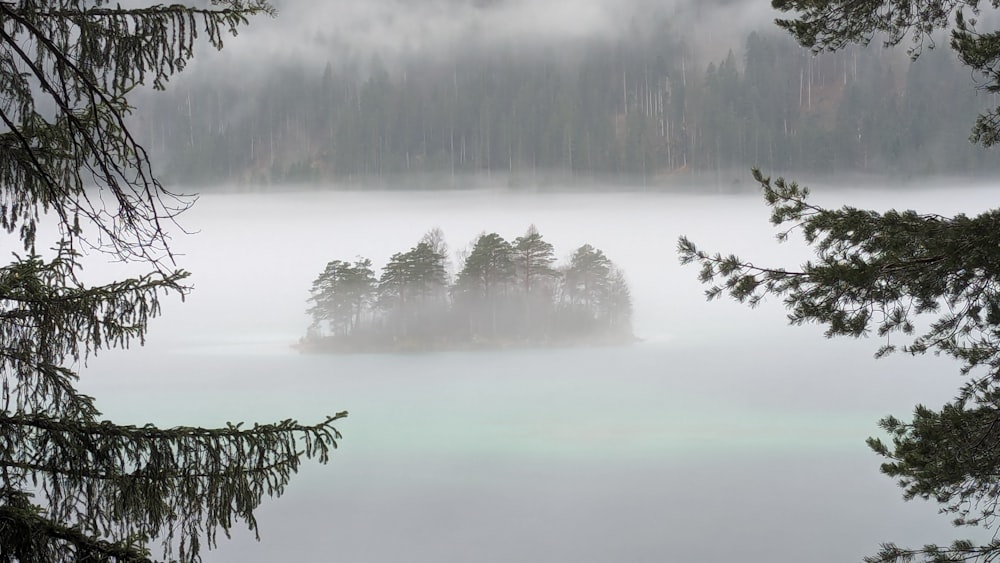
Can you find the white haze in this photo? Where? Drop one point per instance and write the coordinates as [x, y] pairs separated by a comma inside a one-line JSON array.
[[725, 435], [338, 31]]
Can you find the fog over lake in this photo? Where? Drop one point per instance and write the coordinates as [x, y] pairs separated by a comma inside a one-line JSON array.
[[724, 435]]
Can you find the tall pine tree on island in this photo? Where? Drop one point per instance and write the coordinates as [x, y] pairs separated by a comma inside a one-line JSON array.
[[411, 289], [595, 294], [534, 258], [74, 487], [881, 272], [341, 294], [483, 283]]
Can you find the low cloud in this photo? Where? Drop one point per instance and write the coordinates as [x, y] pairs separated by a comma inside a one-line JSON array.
[[348, 29]]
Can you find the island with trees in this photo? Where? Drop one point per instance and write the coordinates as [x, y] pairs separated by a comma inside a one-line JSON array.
[[505, 294]]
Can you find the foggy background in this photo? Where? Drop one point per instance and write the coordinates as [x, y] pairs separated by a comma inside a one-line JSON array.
[[449, 94], [723, 435], [395, 29]]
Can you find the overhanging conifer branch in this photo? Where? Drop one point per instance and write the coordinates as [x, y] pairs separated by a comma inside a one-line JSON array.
[[25, 535], [105, 491], [882, 272]]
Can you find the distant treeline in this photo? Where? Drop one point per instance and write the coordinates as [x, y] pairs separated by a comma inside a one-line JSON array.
[[505, 294], [635, 109]]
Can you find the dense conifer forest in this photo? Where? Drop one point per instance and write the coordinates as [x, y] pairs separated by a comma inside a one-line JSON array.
[[641, 110], [505, 294]]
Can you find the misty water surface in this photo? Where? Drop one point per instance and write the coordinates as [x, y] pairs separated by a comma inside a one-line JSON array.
[[725, 435]]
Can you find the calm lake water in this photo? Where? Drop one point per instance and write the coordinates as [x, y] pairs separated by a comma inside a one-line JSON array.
[[725, 435]]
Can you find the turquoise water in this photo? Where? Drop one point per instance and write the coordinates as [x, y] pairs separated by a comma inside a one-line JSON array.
[[724, 436], [642, 453], [645, 401]]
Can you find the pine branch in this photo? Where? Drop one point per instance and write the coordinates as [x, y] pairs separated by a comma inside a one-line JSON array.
[[26, 535], [180, 483]]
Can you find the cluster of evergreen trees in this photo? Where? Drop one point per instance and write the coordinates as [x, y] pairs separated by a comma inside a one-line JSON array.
[[505, 293], [640, 108]]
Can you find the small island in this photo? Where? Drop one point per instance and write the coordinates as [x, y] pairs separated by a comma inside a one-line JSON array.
[[505, 295]]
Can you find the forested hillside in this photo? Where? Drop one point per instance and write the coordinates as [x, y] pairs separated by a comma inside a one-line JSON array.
[[641, 110]]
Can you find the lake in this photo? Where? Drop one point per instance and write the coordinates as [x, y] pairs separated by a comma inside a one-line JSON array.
[[724, 435]]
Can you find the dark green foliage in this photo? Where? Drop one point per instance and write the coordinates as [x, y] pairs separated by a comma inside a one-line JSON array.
[[74, 487], [412, 277], [82, 58], [947, 456], [489, 268], [875, 271], [879, 273], [483, 287], [824, 25], [410, 290], [617, 303], [537, 282], [832, 25], [180, 484], [594, 292], [586, 278], [503, 295], [341, 294], [533, 258]]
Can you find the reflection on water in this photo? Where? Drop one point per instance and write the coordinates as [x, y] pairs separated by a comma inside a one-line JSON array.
[[723, 436]]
